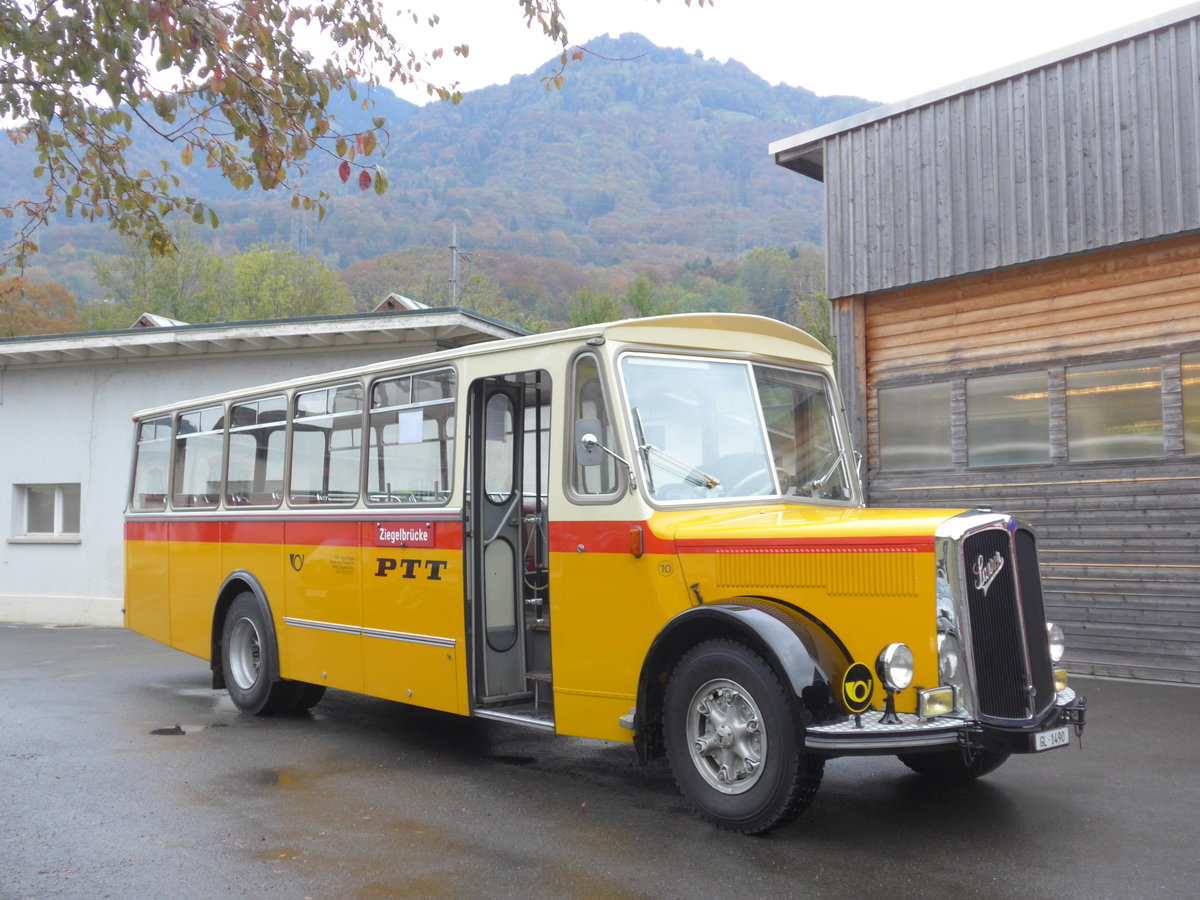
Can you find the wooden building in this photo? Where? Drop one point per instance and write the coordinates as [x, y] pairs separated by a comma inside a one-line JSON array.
[[1014, 267]]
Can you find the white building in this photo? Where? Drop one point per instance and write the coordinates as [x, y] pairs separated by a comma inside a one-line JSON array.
[[66, 434]]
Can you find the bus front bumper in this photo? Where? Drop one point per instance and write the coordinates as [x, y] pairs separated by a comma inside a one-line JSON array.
[[867, 735]]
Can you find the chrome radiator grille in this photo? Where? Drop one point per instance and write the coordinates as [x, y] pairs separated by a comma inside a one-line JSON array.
[[1013, 678]]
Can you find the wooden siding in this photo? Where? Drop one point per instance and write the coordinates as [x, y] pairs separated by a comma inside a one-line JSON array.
[[1091, 151], [1118, 539], [1119, 302], [1118, 550]]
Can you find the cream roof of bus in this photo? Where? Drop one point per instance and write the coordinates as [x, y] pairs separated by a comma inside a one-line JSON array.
[[732, 332], [720, 331]]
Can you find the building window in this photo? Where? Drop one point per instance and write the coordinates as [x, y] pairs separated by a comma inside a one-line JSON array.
[[1191, 402], [914, 427], [1008, 419], [47, 513], [1114, 410]]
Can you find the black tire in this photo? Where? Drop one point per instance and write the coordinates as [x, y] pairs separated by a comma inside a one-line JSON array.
[[952, 766], [734, 743], [310, 696], [248, 657]]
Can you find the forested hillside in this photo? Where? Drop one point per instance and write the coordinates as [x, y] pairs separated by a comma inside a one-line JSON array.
[[647, 154], [648, 159]]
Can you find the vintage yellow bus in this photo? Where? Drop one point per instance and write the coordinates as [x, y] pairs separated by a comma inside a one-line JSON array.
[[647, 531]]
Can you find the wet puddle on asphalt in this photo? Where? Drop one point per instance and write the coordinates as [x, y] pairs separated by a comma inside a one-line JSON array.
[[220, 707]]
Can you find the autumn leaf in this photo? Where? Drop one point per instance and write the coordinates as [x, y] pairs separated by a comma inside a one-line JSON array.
[[364, 179], [344, 171]]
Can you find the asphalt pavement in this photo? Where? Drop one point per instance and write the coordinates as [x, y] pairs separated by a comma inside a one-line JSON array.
[[123, 775]]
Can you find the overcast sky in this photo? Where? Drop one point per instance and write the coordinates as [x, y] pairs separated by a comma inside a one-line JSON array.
[[882, 50]]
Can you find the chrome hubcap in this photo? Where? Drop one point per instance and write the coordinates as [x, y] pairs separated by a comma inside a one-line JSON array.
[[245, 653], [727, 740]]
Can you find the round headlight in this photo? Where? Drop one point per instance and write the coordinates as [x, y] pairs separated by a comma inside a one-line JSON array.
[[895, 667], [1057, 642], [949, 658]]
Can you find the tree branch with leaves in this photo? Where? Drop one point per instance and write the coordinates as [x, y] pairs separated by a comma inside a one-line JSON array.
[[229, 85]]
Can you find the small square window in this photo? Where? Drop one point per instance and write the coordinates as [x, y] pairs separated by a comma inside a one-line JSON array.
[[914, 427], [1114, 410], [1008, 419], [47, 512]]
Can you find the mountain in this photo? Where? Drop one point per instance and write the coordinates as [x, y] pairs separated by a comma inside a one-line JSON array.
[[646, 155]]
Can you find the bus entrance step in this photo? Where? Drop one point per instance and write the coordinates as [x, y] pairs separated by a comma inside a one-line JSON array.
[[538, 677]]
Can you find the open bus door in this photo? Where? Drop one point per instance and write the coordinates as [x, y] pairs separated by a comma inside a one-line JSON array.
[[504, 534]]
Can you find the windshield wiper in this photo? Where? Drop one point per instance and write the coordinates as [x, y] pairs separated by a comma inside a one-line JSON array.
[[690, 473], [815, 484]]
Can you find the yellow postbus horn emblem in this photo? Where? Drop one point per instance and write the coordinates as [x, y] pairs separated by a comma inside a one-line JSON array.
[[858, 684]]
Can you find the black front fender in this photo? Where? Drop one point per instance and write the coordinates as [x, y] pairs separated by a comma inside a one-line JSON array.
[[787, 646]]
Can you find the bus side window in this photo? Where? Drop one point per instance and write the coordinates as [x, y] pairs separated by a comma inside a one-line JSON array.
[[150, 468], [256, 444], [410, 459], [588, 402], [326, 445], [199, 445]]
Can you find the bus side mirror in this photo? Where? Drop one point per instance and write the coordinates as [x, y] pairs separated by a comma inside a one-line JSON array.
[[588, 450]]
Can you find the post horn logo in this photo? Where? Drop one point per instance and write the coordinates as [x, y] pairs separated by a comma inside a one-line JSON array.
[[858, 684], [297, 561]]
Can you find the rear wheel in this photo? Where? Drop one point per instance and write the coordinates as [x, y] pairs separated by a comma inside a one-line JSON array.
[[952, 765], [733, 742], [248, 659], [310, 696]]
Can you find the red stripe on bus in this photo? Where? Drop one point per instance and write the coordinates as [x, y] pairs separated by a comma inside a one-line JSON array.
[[907, 544], [604, 537], [614, 537], [240, 531], [323, 534], [445, 534], [145, 531], [196, 532], [565, 537]]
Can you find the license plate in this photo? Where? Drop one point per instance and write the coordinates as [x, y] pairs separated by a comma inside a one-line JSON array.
[[1055, 737]]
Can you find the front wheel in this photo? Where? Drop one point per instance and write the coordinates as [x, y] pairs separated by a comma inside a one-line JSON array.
[[733, 742], [248, 659], [953, 765]]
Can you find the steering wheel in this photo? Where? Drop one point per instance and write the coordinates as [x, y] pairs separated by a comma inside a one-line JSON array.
[[759, 477]]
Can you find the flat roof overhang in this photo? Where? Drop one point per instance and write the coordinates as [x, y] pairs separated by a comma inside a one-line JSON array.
[[415, 330]]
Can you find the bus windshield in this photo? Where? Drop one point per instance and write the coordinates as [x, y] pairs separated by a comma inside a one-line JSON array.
[[708, 429]]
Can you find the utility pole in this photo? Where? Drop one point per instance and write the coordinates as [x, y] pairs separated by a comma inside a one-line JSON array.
[[454, 265], [300, 230]]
